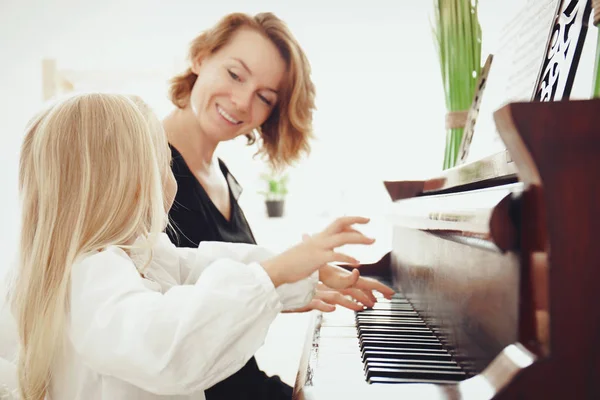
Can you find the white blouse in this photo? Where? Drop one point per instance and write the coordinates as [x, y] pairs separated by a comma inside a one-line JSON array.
[[196, 318]]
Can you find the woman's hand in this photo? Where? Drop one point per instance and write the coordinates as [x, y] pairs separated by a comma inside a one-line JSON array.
[[316, 251]]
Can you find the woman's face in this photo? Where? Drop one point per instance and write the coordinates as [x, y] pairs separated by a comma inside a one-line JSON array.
[[237, 87]]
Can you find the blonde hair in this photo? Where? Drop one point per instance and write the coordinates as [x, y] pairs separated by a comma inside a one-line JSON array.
[[286, 133], [89, 178]]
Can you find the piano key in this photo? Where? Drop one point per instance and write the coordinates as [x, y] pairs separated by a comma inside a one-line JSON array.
[[391, 313], [415, 364], [399, 330], [386, 319], [405, 355], [398, 337], [414, 373], [375, 360], [401, 344], [370, 349], [407, 324], [380, 379]]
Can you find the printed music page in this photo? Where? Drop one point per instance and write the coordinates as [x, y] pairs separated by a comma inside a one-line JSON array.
[[514, 71]]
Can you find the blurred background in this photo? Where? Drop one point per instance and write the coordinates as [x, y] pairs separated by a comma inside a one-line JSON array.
[[379, 95]]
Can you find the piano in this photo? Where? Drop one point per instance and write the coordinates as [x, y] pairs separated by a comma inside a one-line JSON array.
[[497, 272], [496, 268]]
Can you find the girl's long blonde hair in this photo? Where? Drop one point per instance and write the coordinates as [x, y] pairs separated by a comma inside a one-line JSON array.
[[91, 176]]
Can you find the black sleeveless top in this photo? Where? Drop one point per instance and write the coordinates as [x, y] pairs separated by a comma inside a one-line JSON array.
[[195, 218]]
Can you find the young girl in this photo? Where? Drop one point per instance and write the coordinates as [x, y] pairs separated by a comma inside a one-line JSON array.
[[106, 307]]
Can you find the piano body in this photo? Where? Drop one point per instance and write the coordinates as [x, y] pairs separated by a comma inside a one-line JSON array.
[[494, 261], [497, 273]]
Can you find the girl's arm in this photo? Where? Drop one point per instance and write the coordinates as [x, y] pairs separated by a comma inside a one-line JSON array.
[[192, 263], [179, 342]]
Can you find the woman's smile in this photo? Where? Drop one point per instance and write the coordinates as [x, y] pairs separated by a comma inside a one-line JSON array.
[[227, 117]]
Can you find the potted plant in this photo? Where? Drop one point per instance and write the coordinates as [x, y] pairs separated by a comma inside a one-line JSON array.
[[275, 193]]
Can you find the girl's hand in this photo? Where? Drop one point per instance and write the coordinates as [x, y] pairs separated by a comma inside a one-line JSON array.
[[350, 283], [316, 251], [348, 289]]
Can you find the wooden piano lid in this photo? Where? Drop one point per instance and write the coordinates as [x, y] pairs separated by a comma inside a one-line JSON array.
[[489, 171]]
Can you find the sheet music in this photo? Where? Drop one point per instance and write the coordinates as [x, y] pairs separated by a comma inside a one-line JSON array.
[[514, 71]]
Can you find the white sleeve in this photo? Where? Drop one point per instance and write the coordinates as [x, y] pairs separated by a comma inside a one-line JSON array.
[[179, 342], [193, 261]]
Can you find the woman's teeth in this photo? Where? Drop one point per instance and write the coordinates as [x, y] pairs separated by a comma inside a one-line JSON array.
[[227, 116]]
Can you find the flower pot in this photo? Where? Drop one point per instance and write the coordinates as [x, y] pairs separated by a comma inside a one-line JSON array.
[[274, 208]]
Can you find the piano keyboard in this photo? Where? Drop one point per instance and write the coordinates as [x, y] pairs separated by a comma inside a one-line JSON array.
[[387, 344]]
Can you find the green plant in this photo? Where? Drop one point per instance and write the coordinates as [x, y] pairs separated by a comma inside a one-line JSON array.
[[458, 38], [276, 185]]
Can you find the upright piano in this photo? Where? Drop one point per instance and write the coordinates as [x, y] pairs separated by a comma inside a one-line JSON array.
[[496, 268]]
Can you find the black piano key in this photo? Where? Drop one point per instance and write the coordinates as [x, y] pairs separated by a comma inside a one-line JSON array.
[[434, 363], [371, 349], [390, 313], [387, 319], [405, 355], [388, 323], [400, 330], [398, 337], [401, 344], [416, 364], [389, 306]]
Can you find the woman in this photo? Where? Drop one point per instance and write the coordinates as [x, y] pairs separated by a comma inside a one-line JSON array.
[[248, 74]]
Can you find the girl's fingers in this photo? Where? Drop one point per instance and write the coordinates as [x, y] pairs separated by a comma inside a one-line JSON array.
[[318, 304], [338, 278], [369, 284], [359, 296], [334, 297], [344, 238], [370, 295], [343, 222], [342, 258]]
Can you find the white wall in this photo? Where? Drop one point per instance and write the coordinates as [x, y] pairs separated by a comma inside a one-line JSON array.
[[380, 102]]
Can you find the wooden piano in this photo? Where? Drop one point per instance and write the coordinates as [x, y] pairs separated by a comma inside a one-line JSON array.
[[497, 273]]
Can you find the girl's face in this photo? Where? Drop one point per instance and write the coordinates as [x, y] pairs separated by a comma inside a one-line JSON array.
[[237, 87]]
